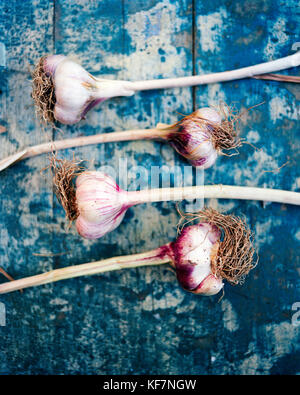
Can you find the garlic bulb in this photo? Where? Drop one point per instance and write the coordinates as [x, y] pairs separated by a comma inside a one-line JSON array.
[[192, 253], [71, 91], [101, 204], [195, 137]]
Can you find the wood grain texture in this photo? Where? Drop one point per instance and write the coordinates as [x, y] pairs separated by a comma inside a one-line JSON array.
[[140, 321]]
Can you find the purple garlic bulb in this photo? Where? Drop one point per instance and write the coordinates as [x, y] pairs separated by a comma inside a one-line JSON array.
[[101, 204], [192, 255], [194, 138]]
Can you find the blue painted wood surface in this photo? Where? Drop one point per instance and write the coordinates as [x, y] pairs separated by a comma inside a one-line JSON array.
[[140, 321]]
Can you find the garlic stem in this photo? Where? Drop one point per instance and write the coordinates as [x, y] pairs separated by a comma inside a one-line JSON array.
[[112, 88], [158, 256], [278, 77], [245, 72], [214, 191], [127, 135], [10, 160]]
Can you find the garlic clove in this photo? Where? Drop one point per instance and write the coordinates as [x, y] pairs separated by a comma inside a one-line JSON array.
[[66, 116], [205, 162], [51, 62], [189, 275], [211, 285], [209, 114], [90, 230], [199, 149]]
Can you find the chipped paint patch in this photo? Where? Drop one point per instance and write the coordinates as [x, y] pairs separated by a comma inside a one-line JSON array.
[[230, 318], [280, 337], [152, 23], [279, 108], [58, 302], [211, 29], [169, 300], [216, 95], [258, 163], [264, 230], [254, 365], [253, 136], [277, 38], [296, 184], [221, 205], [297, 235]]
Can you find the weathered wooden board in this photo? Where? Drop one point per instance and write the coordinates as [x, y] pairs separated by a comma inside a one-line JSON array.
[[140, 321]]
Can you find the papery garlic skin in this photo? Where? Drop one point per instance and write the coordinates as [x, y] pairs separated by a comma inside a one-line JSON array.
[[101, 204], [193, 252], [194, 141], [77, 91]]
